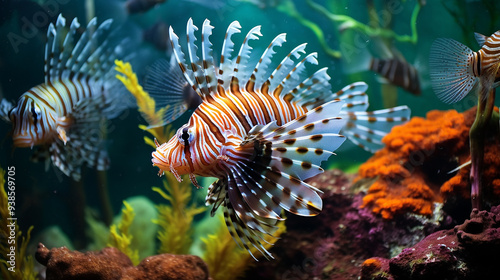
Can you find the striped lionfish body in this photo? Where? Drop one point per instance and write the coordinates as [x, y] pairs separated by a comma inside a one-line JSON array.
[[456, 69], [64, 114], [261, 132]]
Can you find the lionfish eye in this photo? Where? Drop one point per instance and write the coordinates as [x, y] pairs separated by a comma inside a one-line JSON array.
[[185, 136], [34, 113]]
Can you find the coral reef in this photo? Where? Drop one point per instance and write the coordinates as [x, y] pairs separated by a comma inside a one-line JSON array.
[[334, 244], [411, 173], [467, 251], [110, 264]]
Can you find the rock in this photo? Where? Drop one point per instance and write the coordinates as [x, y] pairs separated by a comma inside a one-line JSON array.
[[468, 251], [111, 264]]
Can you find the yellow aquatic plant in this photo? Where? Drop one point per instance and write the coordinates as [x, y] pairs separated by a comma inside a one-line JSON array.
[[176, 219], [145, 103], [227, 261], [23, 266], [119, 236]]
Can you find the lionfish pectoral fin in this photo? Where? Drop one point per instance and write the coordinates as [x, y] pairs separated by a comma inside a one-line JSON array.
[[62, 134], [84, 132], [5, 107], [450, 64], [166, 84]]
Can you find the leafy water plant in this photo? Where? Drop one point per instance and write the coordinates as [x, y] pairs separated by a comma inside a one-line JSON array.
[[227, 261], [13, 244], [176, 219], [145, 103], [120, 236]]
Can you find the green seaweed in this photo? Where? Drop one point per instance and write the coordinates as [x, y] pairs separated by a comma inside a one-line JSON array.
[[227, 261], [24, 264], [176, 219], [119, 236]]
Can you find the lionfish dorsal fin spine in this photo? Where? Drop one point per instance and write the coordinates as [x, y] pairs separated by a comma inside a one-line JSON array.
[[285, 67], [53, 48], [226, 63], [241, 69], [207, 56], [265, 60], [179, 57], [196, 68], [294, 78], [68, 46], [313, 90], [87, 43]]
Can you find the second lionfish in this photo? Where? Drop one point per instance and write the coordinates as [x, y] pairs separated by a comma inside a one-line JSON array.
[[261, 132], [64, 116]]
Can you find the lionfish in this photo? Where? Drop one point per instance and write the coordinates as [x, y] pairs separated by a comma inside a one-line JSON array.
[[64, 115], [456, 69], [262, 132]]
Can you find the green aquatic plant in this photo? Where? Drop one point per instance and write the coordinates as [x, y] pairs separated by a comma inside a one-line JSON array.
[[345, 22], [120, 237], [227, 261], [176, 218], [467, 14], [15, 263], [146, 105]]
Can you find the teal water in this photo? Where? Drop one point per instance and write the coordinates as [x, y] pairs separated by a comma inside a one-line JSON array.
[[45, 197]]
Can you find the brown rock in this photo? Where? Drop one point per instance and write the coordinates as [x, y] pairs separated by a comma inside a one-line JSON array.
[[111, 264]]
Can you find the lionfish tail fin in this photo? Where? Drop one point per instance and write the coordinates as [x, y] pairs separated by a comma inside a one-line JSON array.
[[451, 70], [366, 129]]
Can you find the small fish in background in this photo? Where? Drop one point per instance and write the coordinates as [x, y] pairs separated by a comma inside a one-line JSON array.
[[158, 36], [260, 131], [141, 6], [455, 69], [64, 116], [398, 72], [393, 69]]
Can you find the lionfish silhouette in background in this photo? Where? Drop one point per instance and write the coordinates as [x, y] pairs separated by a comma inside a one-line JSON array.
[[261, 133], [455, 69], [64, 116]]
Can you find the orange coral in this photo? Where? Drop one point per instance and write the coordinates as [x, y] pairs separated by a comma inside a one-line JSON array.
[[418, 155]]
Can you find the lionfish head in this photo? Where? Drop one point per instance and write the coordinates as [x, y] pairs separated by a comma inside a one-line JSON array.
[[32, 123], [176, 155]]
